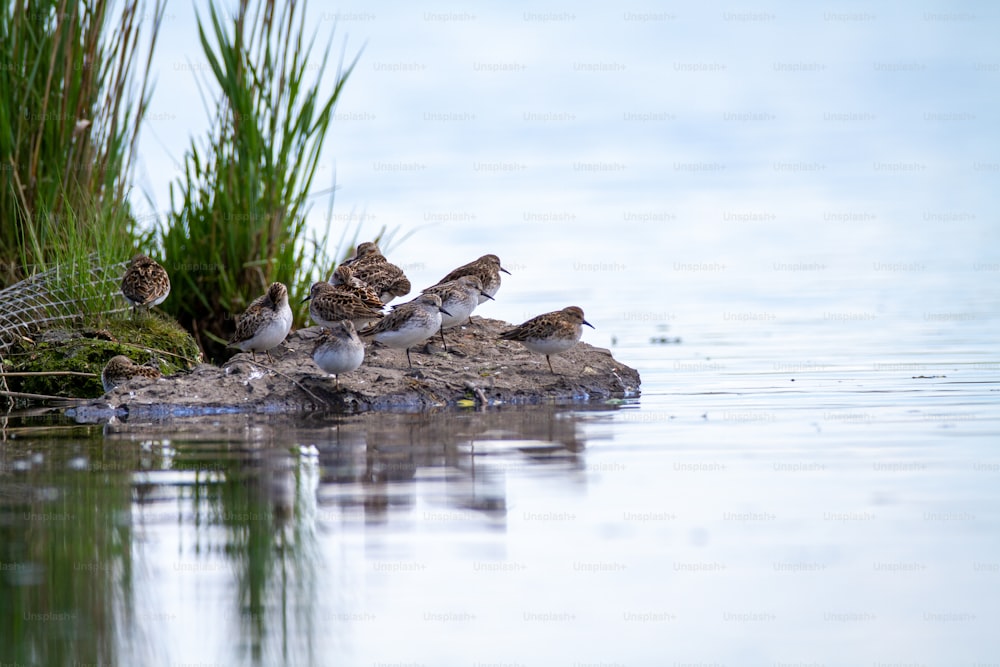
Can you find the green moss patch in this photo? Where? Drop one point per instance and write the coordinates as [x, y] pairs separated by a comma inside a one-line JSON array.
[[149, 338]]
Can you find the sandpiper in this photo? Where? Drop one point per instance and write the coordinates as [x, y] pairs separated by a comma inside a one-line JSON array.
[[339, 350], [331, 304], [121, 369], [265, 323], [145, 283], [371, 266], [459, 297], [408, 324], [344, 279], [487, 268], [550, 333]]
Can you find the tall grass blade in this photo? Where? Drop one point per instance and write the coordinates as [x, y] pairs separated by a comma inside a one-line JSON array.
[[238, 214]]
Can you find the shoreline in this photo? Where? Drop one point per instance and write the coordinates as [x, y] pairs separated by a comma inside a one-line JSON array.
[[480, 371]]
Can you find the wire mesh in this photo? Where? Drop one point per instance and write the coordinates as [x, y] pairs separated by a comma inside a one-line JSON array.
[[58, 296]]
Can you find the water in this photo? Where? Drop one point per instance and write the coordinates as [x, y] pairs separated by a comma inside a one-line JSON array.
[[810, 477]]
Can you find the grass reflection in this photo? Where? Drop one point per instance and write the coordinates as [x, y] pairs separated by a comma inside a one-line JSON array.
[[66, 570], [127, 546]]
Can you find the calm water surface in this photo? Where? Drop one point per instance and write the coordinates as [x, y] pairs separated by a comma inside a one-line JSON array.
[[811, 476]]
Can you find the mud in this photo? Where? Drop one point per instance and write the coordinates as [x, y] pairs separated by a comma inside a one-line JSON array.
[[477, 371]]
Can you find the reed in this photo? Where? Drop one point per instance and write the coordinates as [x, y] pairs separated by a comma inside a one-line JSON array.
[[75, 82], [238, 212]]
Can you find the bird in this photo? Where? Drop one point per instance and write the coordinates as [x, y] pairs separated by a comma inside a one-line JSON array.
[[370, 265], [338, 349], [330, 304], [409, 323], [487, 268], [145, 283], [550, 333], [265, 323], [121, 369], [344, 279], [459, 297]]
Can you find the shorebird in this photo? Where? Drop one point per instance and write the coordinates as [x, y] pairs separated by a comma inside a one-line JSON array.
[[551, 333], [121, 369], [145, 283], [487, 268], [371, 266], [265, 323], [339, 350], [459, 297], [408, 324]]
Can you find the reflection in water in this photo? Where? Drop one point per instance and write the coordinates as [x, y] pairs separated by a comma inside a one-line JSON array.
[[375, 462], [65, 561], [523, 537], [104, 541]]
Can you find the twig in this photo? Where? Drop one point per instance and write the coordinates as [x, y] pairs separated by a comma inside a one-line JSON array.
[[483, 403], [32, 373], [293, 381], [197, 338], [169, 354], [41, 397], [10, 401]]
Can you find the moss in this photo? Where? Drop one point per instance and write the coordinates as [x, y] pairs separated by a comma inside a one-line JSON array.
[[147, 338]]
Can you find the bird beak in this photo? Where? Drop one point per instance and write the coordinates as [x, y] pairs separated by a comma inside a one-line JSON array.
[[445, 312], [505, 270], [306, 299], [487, 296], [589, 324]]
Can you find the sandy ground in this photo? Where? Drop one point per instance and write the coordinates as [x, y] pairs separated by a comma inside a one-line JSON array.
[[478, 370]]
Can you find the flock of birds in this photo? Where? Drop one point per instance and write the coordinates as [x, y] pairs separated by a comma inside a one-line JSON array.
[[350, 309]]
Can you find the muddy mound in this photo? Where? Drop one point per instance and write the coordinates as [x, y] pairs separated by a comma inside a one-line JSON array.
[[477, 370]]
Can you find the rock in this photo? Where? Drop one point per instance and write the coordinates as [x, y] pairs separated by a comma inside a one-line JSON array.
[[479, 369]]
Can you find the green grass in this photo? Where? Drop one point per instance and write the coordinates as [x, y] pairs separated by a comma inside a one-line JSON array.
[[75, 88], [238, 219], [75, 241]]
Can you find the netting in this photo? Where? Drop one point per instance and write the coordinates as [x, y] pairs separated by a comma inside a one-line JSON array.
[[58, 296]]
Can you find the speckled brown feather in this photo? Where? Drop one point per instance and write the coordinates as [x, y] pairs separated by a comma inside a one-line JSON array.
[[328, 304], [345, 280], [338, 349], [550, 333], [487, 268], [409, 323], [265, 322], [121, 369], [145, 283], [370, 266]]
